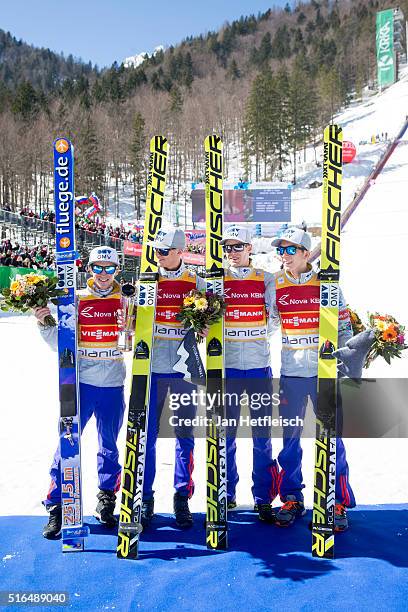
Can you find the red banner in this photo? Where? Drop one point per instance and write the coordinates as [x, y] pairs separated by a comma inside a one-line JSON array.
[[132, 248]]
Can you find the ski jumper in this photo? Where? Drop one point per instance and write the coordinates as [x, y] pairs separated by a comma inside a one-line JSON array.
[[173, 286], [247, 369], [101, 377], [296, 309]]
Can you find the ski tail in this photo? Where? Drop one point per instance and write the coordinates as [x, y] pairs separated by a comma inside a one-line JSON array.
[[325, 446], [216, 516], [138, 412], [73, 532]]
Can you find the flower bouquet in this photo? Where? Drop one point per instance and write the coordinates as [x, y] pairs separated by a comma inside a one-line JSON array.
[[200, 310], [32, 291], [389, 336]]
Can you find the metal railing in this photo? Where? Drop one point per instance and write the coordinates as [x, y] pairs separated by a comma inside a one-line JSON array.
[[31, 231]]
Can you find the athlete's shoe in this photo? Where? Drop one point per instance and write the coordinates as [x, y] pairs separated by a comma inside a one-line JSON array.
[[106, 508], [266, 513], [340, 518], [291, 509], [147, 512], [232, 504], [52, 530], [184, 519]]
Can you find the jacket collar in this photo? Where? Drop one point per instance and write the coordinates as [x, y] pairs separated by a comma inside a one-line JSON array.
[[303, 278], [173, 273], [241, 272], [115, 289]]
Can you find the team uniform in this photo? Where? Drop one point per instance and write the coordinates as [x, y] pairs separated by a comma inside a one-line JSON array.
[[247, 369], [295, 308], [101, 378], [173, 287]]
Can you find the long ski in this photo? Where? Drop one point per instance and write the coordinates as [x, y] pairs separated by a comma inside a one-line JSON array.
[[325, 446], [135, 451], [216, 456], [73, 531]]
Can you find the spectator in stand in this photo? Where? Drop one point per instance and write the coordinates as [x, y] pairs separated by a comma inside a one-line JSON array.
[[8, 258]]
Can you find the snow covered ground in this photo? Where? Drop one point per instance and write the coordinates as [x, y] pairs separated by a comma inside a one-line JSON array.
[[373, 262]]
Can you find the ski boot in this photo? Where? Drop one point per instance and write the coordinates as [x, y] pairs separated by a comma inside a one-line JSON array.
[[106, 508], [266, 513], [340, 518], [52, 530], [291, 509], [147, 512], [184, 519]]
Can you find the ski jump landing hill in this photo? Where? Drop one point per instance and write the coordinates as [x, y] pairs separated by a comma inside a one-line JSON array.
[[265, 568]]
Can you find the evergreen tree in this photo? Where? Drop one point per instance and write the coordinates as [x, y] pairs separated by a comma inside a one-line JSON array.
[[265, 49], [259, 122], [302, 107], [233, 70], [281, 133], [26, 103], [90, 169], [187, 73]]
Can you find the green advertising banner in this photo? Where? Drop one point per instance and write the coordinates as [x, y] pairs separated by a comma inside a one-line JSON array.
[[385, 48], [8, 273]]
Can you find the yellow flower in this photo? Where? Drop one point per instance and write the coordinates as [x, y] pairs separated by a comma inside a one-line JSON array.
[[15, 285], [33, 279], [381, 325], [201, 304], [188, 301]]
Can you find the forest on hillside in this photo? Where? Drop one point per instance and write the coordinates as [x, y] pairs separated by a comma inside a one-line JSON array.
[[267, 84]]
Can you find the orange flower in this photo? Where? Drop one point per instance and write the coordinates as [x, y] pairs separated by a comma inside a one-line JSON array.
[[390, 334]]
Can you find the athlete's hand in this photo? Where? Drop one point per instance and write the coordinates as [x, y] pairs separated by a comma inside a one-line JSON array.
[[204, 332], [120, 318], [41, 312]]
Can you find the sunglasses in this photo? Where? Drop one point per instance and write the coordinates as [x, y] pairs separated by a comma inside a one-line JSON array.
[[97, 269], [290, 250], [237, 248], [163, 252]]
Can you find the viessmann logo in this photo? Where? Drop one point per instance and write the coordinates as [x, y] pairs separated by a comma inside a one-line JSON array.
[[243, 314], [297, 321], [98, 334]]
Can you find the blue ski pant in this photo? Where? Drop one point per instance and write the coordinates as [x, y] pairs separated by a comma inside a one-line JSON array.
[[161, 384], [294, 394], [108, 406], [265, 471]]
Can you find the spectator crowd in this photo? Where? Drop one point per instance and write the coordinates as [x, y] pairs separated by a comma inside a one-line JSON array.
[[38, 257], [94, 226]]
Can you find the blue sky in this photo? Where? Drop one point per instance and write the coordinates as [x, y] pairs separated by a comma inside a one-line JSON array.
[[103, 31]]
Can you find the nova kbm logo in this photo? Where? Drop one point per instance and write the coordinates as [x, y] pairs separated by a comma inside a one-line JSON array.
[[62, 145]]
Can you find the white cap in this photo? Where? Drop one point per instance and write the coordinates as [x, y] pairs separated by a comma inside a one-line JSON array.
[[237, 232], [295, 235], [103, 253], [169, 239]]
